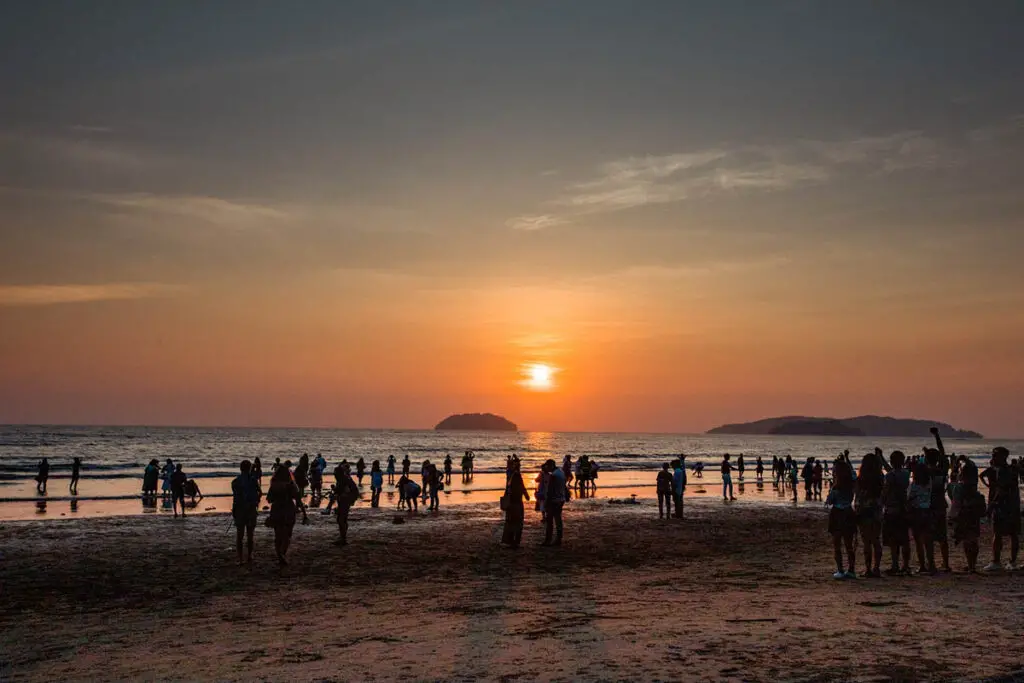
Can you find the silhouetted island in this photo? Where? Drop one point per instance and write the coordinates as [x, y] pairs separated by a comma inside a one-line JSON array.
[[477, 422], [865, 425]]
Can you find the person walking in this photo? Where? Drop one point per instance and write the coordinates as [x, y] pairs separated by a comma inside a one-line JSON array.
[[245, 502], [554, 501], [347, 494], [178, 480], [42, 476], [76, 471], [391, 470], [376, 483]]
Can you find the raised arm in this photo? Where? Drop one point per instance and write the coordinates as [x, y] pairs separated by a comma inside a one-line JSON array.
[[881, 456]]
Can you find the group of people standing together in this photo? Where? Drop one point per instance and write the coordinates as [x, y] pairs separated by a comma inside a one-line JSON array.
[[888, 501]]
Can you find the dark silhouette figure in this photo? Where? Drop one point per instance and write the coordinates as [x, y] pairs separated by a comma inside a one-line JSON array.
[[376, 483], [435, 482], [727, 479], [895, 525], [360, 470], [76, 471], [347, 494], [257, 471], [391, 470], [448, 468], [42, 476], [664, 483], [167, 472], [554, 501], [192, 490], [285, 501], [678, 484], [842, 521], [301, 474], [178, 480], [759, 470], [245, 502], [741, 466], [515, 511], [868, 508], [406, 465], [150, 477], [968, 507], [1004, 506]]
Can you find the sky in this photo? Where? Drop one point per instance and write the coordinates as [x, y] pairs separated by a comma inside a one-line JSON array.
[[375, 214]]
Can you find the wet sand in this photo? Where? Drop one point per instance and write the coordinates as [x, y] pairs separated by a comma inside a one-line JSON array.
[[738, 591]]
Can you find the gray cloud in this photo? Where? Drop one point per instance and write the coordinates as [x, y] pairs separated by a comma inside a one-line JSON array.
[[44, 295]]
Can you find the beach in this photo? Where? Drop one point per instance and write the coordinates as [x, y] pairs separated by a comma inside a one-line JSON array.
[[738, 591]]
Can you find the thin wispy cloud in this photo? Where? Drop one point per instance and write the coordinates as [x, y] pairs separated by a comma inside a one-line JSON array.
[[46, 295], [661, 179], [208, 209]]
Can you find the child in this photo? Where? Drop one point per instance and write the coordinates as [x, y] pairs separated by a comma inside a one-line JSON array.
[[376, 483], [842, 522]]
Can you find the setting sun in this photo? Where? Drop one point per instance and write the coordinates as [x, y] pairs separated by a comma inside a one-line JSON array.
[[538, 376]]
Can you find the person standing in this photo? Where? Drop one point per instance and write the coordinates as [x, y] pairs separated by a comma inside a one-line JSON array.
[[554, 501], [727, 479], [347, 494], [436, 482], [868, 508], [149, 477], [166, 472], [448, 468], [1004, 508], [42, 476], [895, 529], [245, 502], [679, 484], [376, 483], [406, 466], [515, 511], [664, 483], [759, 470], [285, 501], [740, 466], [301, 474], [257, 471], [391, 470], [76, 471], [360, 470], [842, 521], [178, 480]]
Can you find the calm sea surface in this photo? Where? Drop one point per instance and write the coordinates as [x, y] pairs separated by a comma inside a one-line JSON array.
[[114, 457]]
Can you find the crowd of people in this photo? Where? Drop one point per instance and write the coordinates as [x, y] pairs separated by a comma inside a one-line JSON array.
[[886, 502]]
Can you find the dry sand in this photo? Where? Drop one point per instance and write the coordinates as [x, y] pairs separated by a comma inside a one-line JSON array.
[[735, 592]]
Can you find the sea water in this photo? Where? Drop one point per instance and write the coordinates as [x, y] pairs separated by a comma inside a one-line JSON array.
[[113, 459]]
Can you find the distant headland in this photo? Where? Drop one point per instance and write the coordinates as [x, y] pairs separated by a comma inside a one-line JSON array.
[[485, 422], [865, 425]]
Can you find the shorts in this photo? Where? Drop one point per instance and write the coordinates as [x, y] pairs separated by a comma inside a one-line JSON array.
[[894, 529], [842, 522], [940, 531], [1006, 522], [244, 519]]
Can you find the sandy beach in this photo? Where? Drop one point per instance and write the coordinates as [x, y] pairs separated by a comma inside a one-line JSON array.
[[734, 592]]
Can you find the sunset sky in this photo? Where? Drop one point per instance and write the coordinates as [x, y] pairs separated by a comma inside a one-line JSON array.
[[376, 214]]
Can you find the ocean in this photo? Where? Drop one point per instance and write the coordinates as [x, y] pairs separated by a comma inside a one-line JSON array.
[[114, 457]]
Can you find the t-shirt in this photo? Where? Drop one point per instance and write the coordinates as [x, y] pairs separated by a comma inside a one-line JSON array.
[[896, 483], [376, 479], [664, 482], [679, 481], [178, 481], [1006, 486], [726, 467], [245, 492], [556, 487]]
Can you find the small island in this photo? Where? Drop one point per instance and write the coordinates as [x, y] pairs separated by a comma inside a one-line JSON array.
[[865, 425], [481, 422]]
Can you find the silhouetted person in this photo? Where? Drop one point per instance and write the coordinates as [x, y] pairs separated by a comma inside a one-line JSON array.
[[727, 479], [664, 483], [1004, 508], [376, 483], [741, 466], [895, 530], [316, 478], [347, 493], [759, 470], [301, 474], [285, 501], [808, 475], [257, 471], [167, 472], [43, 475], [391, 470], [868, 507], [76, 471], [448, 468], [192, 490], [150, 477], [679, 484], [919, 504], [515, 511], [842, 521], [435, 480], [938, 467], [406, 465], [968, 507], [360, 470], [553, 503], [178, 480], [245, 502]]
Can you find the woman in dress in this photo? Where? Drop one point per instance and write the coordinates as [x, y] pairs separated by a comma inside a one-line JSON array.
[[149, 477], [285, 500], [515, 512]]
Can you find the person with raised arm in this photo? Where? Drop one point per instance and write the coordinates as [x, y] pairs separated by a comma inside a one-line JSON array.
[[938, 467]]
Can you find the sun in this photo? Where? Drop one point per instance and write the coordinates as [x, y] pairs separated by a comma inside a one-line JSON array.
[[538, 376]]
